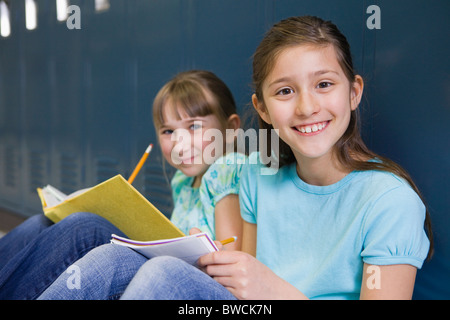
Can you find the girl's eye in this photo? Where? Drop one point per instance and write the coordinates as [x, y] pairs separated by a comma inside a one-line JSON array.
[[168, 131], [323, 85], [285, 91], [195, 126]]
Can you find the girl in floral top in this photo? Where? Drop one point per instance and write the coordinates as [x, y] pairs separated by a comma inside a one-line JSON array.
[[187, 111], [195, 119]]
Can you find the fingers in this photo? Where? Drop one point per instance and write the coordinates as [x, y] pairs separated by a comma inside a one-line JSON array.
[[205, 262], [219, 270], [218, 257], [225, 263], [194, 231], [219, 245], [232, 269]]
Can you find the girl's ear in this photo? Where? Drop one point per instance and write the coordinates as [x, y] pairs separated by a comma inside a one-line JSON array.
[[259, 107], [233, 122], [356, 92]]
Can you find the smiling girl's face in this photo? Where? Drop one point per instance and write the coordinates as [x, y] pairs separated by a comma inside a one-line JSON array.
[[182, 141], [308, 98]]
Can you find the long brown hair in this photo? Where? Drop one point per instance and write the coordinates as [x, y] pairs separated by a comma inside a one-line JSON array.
[[350, 149]]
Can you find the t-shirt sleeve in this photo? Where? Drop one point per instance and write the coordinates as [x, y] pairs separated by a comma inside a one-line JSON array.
[[247, 191], [222, 178], [393, 230]]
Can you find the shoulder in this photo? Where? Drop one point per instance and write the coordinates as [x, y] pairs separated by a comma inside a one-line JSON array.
[[225, 168], [392, 203], [381, 184], [223, 177], [384, 194], [261, 182]]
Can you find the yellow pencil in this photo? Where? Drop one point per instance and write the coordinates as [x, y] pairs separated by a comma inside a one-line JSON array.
[[229, 240], [140, 164]]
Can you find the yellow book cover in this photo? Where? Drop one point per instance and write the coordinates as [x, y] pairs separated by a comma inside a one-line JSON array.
[[120, 203]]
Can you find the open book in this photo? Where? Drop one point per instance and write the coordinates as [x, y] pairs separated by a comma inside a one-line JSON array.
[[188, 248], [115, 200], [50, 196]]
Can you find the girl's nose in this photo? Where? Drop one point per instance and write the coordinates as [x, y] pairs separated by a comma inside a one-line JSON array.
[[306, 105]]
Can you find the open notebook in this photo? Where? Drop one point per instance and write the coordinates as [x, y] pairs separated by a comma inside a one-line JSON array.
[[188, 248]]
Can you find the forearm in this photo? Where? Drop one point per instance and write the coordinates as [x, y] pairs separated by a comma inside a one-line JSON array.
[[282, 290], [246, 277]]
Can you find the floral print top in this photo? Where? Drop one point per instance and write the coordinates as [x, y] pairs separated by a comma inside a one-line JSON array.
[[194, 207]]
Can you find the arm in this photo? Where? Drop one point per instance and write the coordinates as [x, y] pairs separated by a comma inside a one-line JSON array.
[[392, 282], [249, 238], [228, 221]]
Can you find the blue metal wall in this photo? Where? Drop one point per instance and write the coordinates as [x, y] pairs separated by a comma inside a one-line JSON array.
[[75, 105]]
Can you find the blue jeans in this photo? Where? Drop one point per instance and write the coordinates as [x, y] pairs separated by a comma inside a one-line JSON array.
[[168, 278], [112, 271], [35, 253], [102, 274]]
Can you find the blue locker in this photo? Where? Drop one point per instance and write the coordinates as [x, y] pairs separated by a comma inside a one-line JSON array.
[[11, 134]]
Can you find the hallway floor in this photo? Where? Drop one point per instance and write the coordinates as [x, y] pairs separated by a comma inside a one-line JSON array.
[[9, 221]]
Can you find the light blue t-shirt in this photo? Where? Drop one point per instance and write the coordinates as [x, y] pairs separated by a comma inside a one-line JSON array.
[[194, 207], [318, 237]]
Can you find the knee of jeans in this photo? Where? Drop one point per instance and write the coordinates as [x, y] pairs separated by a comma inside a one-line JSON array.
[[109, 253], [37, 222], [163, 266], [105, 259], [82, 216], [167, 262]]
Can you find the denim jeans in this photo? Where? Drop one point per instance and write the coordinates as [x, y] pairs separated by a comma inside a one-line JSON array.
[[36, 252], [102, 274], [168, 278], [113, 271]]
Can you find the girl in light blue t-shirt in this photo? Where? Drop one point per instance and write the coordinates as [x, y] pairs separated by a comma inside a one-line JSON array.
[[335, 220]]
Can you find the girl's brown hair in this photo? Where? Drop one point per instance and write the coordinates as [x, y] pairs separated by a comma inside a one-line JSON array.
[[350, 149], [197, 92]]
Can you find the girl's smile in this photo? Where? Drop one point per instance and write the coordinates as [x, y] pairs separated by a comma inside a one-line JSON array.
[[309, 99], [311, 129]]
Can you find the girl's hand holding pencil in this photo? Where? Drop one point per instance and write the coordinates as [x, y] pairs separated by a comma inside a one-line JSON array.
[[219, 244]]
